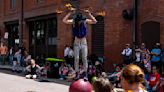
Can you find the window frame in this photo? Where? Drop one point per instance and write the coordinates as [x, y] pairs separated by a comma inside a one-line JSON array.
[[13, 4]]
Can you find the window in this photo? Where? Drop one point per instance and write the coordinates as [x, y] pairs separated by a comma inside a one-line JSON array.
[[12, 4], [52, 32], [40, 32]]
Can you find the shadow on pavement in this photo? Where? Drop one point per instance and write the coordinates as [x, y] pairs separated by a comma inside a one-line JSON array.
[[63, 82]]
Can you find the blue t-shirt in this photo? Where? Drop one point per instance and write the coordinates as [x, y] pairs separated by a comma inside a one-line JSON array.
[[154, 57], [80, 31]]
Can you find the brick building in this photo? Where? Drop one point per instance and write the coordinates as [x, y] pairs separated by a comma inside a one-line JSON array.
[[44, 34]]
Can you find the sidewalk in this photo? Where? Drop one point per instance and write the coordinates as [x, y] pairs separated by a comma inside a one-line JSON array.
[[9, 68], [64, 82]]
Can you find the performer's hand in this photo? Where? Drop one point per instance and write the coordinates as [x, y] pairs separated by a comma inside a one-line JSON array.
[[72, 10]]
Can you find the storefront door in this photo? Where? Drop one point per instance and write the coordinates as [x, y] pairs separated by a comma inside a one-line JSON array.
[[42, 39]]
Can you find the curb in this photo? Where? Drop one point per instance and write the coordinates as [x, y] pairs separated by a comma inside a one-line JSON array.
[[5, 67]]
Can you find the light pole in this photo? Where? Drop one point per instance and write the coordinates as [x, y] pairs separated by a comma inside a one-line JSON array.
[[134, 27]]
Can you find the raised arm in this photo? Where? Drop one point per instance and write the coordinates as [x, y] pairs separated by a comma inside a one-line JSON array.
[[66, 20], [92, 19]]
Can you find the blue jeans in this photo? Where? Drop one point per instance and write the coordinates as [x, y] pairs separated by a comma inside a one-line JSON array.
[[11, 58], [62, 76]]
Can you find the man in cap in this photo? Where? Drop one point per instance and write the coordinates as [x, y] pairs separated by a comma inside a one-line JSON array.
[[127, 54]]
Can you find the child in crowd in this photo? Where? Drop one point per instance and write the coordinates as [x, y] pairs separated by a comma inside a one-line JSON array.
[[81, 71], [115, 77], [63, 70], [71, 74], [44, 71], [91, 72], [154, 80], [32, 70], [99, 68]]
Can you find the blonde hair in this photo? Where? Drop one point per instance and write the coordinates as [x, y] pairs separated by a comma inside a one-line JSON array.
[[133, 74]]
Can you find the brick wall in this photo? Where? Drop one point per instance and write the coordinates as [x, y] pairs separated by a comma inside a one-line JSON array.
[[118, 31]]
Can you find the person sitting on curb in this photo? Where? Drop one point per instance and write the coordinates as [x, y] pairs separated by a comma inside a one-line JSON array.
[[63, 70], [71, 74], [32, 70], [115, 76]]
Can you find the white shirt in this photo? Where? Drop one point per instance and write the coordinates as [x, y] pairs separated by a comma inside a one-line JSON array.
[[11, 51], [71, 53], [127, 52], [66, 51], [138, 56]]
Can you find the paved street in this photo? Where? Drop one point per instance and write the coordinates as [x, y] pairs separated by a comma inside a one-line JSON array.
[[15, 83]]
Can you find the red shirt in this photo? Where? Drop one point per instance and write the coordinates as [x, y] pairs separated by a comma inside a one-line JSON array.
[[153, 79]]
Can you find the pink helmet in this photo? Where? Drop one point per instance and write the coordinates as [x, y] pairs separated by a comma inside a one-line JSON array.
[[80, 85]]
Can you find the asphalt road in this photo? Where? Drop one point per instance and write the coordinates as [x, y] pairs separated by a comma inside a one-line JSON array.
[[15, 83]]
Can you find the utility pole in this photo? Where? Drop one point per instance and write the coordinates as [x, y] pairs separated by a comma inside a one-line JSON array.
[[21, 23], [134, 27]]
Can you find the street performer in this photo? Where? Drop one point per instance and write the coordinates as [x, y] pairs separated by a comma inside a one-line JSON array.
[[79, 32]]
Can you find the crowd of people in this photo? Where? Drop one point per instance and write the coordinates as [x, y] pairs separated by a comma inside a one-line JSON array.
[[145, 57], [67, 69], [144, 73], [150, 61], [20, 60]]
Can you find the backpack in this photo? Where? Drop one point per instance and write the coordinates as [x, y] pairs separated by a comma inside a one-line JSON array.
[[80, 31]]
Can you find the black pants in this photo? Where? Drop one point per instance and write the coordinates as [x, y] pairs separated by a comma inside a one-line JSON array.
[[127, 60], [71, 61]]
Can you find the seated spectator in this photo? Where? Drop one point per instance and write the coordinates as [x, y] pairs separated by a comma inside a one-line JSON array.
[[115, 77], [44, 71], [132, 78], [63, 70], [137, 56], [147, 64], [32, 70], [81, 72], [99, 68], [102, 85], [154, 80], [16, 61], [71, 74], [91, 72], [27, 58]]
